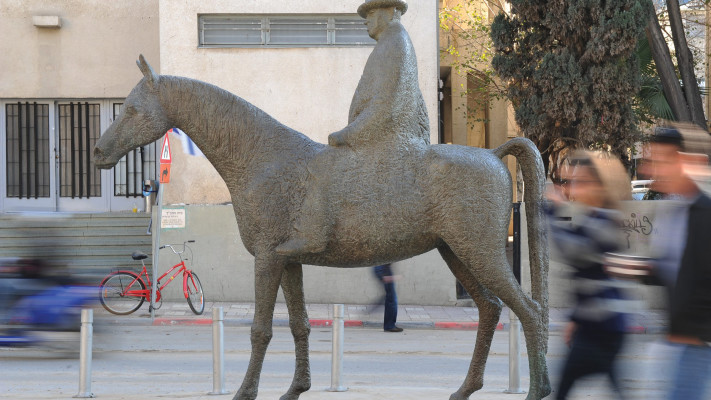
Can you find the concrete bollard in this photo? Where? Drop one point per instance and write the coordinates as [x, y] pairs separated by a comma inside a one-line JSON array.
[[86, 344], [337, 350], [514, 355], [218, 352], [514, 323]]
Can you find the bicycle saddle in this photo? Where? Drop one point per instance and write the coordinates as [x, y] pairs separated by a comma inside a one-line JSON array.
[[138, 255]]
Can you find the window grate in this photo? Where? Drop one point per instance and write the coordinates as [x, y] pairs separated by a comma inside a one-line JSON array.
[[227, 30], [79, 129], [133, 168], [27, 150]]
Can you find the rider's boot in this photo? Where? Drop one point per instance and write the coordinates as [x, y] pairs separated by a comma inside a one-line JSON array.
[[313, 227], [304, 240]]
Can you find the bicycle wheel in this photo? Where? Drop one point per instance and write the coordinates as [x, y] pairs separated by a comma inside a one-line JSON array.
[[194, 294], [112, 295]]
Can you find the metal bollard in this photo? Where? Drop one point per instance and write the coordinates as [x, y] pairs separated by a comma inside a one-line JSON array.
[[87, 332], [218, 352], [514, 323], [337, 350], [514, 355]]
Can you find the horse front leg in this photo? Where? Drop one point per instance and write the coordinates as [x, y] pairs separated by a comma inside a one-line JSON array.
[[489, 312], [293, 288], [267, 275]]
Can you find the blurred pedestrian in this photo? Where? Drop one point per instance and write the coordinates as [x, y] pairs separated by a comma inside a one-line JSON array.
[[683, 262], [385, 275], [595, 333]]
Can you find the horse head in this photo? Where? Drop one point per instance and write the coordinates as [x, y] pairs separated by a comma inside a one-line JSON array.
[[141, 121]]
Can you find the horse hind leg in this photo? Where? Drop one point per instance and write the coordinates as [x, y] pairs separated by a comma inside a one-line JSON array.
[[489, 311], [494, 273], [293, 288]]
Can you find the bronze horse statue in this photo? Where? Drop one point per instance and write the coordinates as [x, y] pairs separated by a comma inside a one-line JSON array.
[[456, 199]]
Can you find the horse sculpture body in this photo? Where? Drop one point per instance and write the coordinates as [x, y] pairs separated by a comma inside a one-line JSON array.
[[395, 205]]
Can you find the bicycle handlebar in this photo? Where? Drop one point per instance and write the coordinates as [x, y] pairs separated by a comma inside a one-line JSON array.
[[175, 244]]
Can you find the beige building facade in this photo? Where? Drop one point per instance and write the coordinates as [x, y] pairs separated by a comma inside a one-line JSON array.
[[308, 88], [66, 67], [70, 64]]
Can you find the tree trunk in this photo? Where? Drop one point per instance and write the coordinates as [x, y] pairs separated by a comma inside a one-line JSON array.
[[685, 62], [666, 71]]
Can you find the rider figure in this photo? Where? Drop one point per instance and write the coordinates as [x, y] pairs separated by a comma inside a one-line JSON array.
[[387, 111]]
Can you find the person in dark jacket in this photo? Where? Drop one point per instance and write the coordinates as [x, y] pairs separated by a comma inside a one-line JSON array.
[[385, 275], [597, 324], [684, 260]]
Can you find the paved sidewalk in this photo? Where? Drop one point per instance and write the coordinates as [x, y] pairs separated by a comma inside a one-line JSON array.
[[409, 316]]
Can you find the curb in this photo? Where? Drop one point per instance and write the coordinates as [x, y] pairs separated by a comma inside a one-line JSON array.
[[324, 323]]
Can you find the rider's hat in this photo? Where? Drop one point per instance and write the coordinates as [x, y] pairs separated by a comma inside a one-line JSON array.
[[371, 4]]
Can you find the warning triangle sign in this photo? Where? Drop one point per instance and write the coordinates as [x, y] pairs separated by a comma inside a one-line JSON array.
[[165, 155]]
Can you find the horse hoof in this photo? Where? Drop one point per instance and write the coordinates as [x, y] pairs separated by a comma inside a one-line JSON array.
[[242, 395], [296, 390], [458, 396], [539, 394]]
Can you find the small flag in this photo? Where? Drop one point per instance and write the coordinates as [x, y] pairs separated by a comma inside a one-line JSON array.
[[189, 147]]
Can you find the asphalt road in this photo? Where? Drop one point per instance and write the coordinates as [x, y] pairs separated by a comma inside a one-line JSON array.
[[153, 362]]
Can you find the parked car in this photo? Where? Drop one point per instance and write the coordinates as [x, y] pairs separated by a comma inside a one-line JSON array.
[[640, 189]]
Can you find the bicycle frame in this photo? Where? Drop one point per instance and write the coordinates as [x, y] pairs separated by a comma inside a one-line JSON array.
[[148, 284]]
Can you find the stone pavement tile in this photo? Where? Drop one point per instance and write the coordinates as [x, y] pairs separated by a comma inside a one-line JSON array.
[[174, 313], [438, 316], [420, 317], [241, 306]]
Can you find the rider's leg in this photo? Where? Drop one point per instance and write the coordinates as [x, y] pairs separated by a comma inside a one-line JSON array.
[[313, 227]]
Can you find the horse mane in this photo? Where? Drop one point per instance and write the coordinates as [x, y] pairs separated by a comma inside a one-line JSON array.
[[224, 122]]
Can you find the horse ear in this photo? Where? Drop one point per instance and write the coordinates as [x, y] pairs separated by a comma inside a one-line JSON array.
[[151, 76]]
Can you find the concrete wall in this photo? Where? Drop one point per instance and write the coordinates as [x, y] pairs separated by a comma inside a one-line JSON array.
[[226, 269], [308, 89], [638, 217], [92, 55]]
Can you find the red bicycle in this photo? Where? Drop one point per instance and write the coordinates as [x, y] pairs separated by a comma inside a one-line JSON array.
[[123, 292]]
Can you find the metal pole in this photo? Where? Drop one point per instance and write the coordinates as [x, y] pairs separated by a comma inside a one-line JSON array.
[[514, 355], [87, 330], [156, 243], [337, 350], [514, 323], [218, 352]]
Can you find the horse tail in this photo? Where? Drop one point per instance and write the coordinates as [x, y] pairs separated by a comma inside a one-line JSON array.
[[534, 180]]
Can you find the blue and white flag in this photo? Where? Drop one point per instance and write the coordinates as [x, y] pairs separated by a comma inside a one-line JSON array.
[[189, 146]]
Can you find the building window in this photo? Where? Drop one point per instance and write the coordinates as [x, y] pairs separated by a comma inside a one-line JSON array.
[[133, 168], [226, 30], [79, 129], [27, 150]]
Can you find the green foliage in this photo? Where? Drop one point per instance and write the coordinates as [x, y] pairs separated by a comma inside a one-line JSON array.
[[650, 103], [571, 69], [469, 51]]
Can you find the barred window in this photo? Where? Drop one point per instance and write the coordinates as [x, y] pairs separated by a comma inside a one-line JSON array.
[[79, 129], [27, 150], [133, 168], [228, 30]]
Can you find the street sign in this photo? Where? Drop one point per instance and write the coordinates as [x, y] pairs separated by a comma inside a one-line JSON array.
[[165, 154], [164, 173]]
